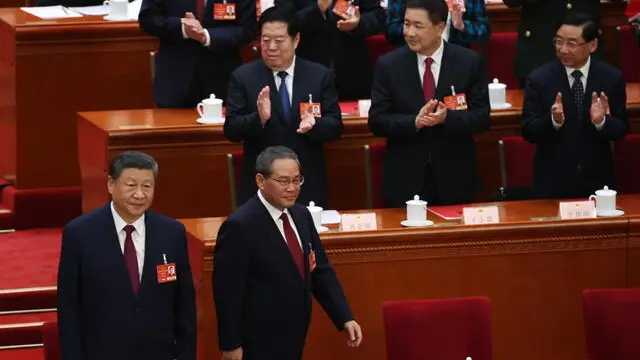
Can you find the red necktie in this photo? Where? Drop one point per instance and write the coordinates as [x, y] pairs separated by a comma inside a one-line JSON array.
[[428, 81], [200, 10], [131, 259], [292, 242]]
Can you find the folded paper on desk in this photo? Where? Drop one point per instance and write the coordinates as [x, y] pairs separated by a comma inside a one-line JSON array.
[[330, 217], [92, 10], [451, 212], [51, 12]]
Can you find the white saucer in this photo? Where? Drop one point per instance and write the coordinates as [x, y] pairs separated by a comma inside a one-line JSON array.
[[416, 223], [322, 229], [501, 107], [210, 121], [109, 18], [612, 214]]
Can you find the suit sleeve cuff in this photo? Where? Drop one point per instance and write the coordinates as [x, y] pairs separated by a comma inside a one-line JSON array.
[[601, 125], [207, 38], [184, 33], [555, 124]]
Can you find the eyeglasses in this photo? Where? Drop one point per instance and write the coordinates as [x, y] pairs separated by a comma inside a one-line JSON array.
[[285, 182], [571, 44]]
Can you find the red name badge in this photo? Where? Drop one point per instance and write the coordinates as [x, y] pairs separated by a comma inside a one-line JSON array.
[[344, 9], [310, 108], [224, 11], [312, 260], [166, 273], [456, 102]]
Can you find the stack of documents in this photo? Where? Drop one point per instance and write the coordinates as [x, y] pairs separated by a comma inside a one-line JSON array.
[[51, 12]]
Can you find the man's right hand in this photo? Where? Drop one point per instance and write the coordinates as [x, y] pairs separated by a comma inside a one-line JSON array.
[[428, 108], [264, 105], [557, 111], [235, 354], [192, 27], [323, 5]]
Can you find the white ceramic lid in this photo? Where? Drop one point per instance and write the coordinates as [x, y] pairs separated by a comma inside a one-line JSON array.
[[496, 84], [313, 208], [212, 100], [606, 191], [416, 201]]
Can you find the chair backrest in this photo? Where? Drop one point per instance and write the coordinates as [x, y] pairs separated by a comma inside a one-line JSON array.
[[438, 329], [377, 46], [152, 63], [51, 341], [234, 169], [516, 161], [627, 169], [502, 54], [629, 53], [612, 323], [374, 161]]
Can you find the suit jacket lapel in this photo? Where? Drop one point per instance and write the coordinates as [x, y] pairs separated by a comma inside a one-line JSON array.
[[593, 80], [152, 258], [298, 95], [447, 74]]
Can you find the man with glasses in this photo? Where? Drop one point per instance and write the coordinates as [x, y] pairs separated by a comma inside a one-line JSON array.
[[268, 262], [269, 100], [573, 108]]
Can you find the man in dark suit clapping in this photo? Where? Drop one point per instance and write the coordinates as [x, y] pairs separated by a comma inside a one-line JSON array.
[[268, 102], [268, 262], [125, 289], [573, 108], [414, 104]]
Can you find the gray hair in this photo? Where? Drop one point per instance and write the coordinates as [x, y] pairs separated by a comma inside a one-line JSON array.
[[269, 155], [132, 160]]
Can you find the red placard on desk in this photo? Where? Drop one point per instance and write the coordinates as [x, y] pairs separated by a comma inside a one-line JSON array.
[[451, 212], [349, 108]]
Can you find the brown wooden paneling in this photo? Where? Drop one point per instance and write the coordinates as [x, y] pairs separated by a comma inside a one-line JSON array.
[[533, 271]]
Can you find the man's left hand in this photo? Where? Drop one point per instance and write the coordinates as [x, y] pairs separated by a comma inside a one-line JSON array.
[[307, 123], [436, 117], [193, 28], [355, 333], [599, 107], [456, 16], [351, 24]]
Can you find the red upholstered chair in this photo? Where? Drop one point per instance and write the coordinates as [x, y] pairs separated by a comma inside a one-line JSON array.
[[377, 46], [502, 53], [612, 323], [627, 169], [51, 341], [374, 160], [629, 53], [234, 169], [438, 329], [516, 167]]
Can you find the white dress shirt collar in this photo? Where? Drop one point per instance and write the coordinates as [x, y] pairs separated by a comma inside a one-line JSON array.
[[289, 70], [436, 56], [273, 211], [584, 70], [120, 223]]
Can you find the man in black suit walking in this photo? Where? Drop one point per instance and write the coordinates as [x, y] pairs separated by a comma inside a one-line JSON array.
[[268, 262], [199, 46], [268, 102], [430, 148], [125, 289], [573, 108]]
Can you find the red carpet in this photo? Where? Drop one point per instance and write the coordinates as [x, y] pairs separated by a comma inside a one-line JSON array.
[[22, 354], [29, 258]]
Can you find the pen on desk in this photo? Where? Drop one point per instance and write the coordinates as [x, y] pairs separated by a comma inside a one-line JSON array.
[[65, 10]]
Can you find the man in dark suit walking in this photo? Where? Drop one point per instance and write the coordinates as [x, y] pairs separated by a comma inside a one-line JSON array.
[[268, 262], [430, 149], [538, 22], [199, 46], [125, 289], [268, 102], [573, 108]]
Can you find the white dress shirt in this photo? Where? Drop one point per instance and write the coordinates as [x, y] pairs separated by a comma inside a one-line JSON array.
[[138, 236], [275, 214], [435, 65], [288, 79], [585, 73]]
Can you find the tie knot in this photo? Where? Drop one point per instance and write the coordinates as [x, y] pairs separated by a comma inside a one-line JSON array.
[[282, 74], [129, 229], [577, 74], [284, 217], [428, 61]]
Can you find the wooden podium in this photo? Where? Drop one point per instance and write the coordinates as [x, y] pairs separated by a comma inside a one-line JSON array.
[[50, 70], [532, 266]]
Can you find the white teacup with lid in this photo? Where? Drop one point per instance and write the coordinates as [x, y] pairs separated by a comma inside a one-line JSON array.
[[210, 110], [416, 210], [605, 199], [498, 95], [316, 214]]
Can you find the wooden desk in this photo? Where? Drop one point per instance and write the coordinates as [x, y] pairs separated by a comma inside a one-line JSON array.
[[50, 70], [533, 272], [194, 179]]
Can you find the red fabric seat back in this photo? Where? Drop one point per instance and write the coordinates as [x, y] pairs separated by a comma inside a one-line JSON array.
[[517, 168], [627, 165], [502, 54]]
